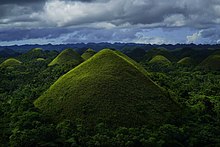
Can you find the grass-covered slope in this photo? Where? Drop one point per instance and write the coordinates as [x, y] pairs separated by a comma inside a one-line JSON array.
[[11, 62], [211, 62], [111, 88], [159, 59], [88, 54], [67, 56], [186, 61]]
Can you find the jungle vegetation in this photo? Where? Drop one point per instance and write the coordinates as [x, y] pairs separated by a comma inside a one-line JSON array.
[[157, 98]]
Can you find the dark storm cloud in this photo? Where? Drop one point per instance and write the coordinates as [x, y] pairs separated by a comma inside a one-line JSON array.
[[22, 34], [3, 2], [100, 35], [151, 13], [69, 35], [19, 1], [53, 18], [13, 9]]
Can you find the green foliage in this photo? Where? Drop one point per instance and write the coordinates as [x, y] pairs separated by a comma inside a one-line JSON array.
[[88, 54], [212, 62], [40, 59], [136, 54], [156, 51], [36, 54], [187, 61], [11, 62], [159, 59], [22, 124], [104, 89], [67, 56]]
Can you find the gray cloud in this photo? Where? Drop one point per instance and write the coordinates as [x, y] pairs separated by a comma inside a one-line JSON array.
[[106, 19], [209, 36], [148, 13], [77, 35], [3, 2], [22, 34]]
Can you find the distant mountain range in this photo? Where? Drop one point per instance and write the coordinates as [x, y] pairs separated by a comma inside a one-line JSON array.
[[81, 47]]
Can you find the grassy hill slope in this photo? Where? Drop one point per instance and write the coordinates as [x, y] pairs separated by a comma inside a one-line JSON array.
[[111, 88], [67, 56]]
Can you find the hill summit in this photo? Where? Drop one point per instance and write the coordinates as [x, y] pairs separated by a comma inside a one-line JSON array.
[[111, 88], [159, 59], [11, 62], [186, 61], [88, 54], [150, 54], [67, 56]]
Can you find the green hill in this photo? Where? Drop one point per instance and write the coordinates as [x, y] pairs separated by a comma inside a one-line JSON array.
[[211, 62], [88, 54], [111, 88], [198, 55], [136, 54], [159, 51], [159, 59], [67, 56], [11, 62], [40, 59], [37, 50], [32, 54], [186, 61]]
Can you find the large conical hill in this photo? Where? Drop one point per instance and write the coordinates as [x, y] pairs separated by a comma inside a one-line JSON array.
[[67, 56], [111, 88]]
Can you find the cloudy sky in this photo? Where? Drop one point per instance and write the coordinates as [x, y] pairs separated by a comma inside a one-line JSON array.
[[139, 21]]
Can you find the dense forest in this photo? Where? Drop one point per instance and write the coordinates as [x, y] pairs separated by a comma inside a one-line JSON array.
[[153, 97]]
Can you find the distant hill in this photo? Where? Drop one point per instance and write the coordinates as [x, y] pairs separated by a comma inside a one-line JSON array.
[[36, 53], [159, 59], [40, 59], [212, 62], [154, 52], [11, 62], [67, 56], [6, 53], [104, 89], [88, 54], [198, 55], [186, 61], [136, 54]]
